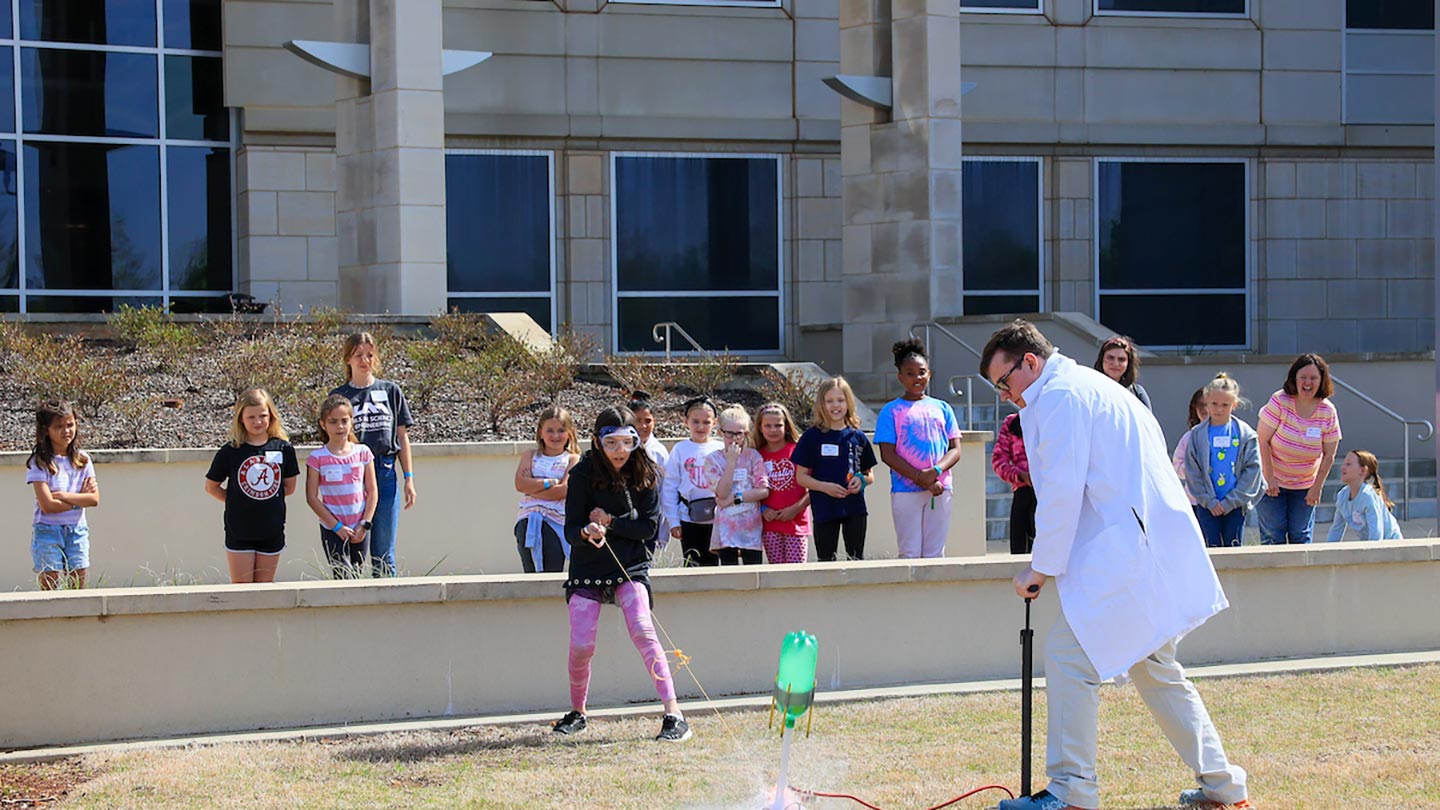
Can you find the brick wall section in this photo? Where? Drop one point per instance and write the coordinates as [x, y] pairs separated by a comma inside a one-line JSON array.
[[1346, 256], [287, 247], [583, 255], [814, 265]]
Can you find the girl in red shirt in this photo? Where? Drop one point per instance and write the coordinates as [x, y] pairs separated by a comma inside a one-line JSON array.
[[787, 511]]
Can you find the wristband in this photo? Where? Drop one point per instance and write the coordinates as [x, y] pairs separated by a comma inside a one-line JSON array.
[[547, 483], [938, 472], [409, 474], [339, 524]]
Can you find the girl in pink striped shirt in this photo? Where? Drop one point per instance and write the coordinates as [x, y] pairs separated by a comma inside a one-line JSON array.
[[340, 488]]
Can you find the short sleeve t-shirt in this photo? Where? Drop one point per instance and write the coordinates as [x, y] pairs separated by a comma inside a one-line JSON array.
[[254, 477], [921, 431], [379, 409], [785, 491], [737, 526], [834, 456], [65, 479], [1224, 447], [342, 481], [1299, 442]]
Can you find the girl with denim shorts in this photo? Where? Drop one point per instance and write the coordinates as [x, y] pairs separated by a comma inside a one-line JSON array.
[[64, 481]]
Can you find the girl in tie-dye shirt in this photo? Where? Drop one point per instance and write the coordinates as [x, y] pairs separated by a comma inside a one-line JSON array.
[[919, 440]]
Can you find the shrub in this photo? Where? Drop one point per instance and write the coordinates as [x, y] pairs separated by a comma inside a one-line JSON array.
[[793, 389], [461, 330], [495, 377], [153, 331], [707, 374], [553, 372], [432, 367], [633, 373], [65, 369], [138, 412]]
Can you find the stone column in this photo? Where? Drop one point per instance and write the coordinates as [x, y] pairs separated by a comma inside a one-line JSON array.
[[390, 160], [901, 238]]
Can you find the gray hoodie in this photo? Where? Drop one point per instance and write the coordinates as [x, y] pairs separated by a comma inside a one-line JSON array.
[[1249, 483]]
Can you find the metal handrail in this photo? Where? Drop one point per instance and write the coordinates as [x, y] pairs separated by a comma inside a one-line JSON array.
[[1405, 424], [969, 396], [929, 325], [671, 326]]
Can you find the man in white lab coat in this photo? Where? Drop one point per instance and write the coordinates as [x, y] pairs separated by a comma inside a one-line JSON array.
[[1115, 530]]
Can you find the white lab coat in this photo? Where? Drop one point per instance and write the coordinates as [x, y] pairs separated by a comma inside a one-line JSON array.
[[1113, 525]]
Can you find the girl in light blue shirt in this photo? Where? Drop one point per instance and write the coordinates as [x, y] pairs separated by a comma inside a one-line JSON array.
[[1362, 503]]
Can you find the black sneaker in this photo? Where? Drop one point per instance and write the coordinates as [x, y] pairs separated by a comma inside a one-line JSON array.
[[572, 723], [673, 729]]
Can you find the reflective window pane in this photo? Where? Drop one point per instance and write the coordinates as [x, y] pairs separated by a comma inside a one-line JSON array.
[[89, 93], [497, 223], [537, 308], [9, 303], [106, 22], [689, 223], [87, 303], [1409, 15], [193, 24], [1001, 223], [7, 90], [92, 216], [1001, 304], [209, 305], [6, 29], [1171, 226], [1029, 5], [199, 207], [749, 324], [1176, 6], [1187, 321], [194, 99], [9, 216]]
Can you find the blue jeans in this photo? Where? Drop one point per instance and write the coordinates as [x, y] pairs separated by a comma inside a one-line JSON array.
[[1223, 531], [1285, 518], [387, 517]]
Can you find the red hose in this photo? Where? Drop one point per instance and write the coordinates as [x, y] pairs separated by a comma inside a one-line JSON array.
[[864, 803]]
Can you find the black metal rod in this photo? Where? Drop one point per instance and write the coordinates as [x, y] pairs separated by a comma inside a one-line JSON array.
[[1027, 643]]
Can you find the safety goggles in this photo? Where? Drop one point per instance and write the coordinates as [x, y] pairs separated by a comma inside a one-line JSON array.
[[619, 438]]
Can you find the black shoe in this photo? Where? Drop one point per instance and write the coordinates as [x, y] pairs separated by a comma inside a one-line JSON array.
[[673, 729], [572, 723]]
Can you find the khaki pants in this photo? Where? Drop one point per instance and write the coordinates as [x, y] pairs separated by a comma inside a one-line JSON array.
[[1072, 689]]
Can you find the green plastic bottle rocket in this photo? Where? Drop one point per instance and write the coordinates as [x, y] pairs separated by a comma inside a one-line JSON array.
[[795, 678]]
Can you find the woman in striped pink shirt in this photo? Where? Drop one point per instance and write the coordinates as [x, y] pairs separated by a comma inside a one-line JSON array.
[[1299, 433], [340, 488]]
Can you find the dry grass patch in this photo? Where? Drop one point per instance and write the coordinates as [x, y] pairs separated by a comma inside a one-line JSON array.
[[1355, 738]]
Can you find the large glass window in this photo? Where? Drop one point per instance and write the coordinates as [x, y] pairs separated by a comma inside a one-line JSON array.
[[117, 175], [1183, 7], [697, 241], [1402, 15], [1172, 254], [1001, 241], [499, 220], [1013, 6]]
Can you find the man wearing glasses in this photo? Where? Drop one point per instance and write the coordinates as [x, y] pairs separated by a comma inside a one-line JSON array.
[[1113, 527]]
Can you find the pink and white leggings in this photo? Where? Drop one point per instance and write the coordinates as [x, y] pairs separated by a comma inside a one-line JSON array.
[[634, 602]]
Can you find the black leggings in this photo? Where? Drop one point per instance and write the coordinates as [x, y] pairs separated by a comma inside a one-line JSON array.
[[827, 537], [740, 556], [1022, 520], [553, 555], [695, 542], [347, 560]]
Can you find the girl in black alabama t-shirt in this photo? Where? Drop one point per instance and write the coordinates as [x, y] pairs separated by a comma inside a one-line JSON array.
[[258, 469]]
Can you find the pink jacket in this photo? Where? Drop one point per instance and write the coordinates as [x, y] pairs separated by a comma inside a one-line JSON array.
[[1008, 457]]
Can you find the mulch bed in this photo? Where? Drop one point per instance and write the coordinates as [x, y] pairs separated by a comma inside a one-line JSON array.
[[40, 785]]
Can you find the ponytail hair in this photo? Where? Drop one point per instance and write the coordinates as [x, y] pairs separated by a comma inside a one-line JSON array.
[[1371, 465], [1225, 383]]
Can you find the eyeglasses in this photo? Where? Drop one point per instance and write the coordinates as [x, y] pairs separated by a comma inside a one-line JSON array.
[[1003, 385], [619, 442], [733, 434]]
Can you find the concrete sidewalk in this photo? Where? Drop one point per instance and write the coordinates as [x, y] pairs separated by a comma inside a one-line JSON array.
[[696, 708]]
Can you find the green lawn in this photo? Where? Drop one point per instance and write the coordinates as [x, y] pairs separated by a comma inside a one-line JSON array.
[[1355, 738]]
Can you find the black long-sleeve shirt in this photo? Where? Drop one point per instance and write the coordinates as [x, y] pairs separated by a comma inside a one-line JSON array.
[[592, 567]]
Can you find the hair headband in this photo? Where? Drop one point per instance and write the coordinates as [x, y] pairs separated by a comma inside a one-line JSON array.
[[614, 430]]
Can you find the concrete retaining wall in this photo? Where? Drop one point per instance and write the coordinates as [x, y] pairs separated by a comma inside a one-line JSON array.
[[109, 664], [156, 525]]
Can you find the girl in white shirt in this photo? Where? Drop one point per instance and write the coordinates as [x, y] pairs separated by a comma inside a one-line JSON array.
[[686, 502]]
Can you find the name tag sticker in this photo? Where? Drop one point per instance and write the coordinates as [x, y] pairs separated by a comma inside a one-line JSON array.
[[1220, 441], [379, 396], [1312, 433], [769, 468], [334, 474], [272, 456], [740, 477], [830, 450]]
